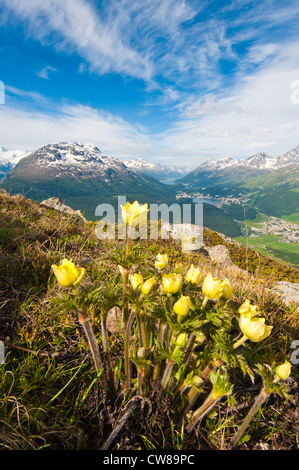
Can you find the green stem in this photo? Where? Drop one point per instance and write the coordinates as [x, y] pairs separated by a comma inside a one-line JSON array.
[[240, 341], [125, 303], [126, 350], [107, 352], [167, 374], [140, 379], [208, 404], [125, 281], [192, 397], [161, 336], [260, 399], [189, 349], [143, 334], [85, 322]]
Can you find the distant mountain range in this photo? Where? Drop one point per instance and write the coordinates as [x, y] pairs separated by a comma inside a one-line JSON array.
[[82, 176], [227, 170], [156, 170]]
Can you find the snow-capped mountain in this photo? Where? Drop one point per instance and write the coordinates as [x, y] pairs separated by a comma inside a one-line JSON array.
[[70, 159], [260, 161], [82, 176], [219, 163], [9, 158], [227, 169], [155, 169], [288, 158]]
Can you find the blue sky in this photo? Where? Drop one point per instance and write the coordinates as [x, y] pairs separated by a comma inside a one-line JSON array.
[[173, 81]]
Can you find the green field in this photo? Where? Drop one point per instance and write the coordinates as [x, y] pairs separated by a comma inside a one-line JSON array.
[[270, 245]]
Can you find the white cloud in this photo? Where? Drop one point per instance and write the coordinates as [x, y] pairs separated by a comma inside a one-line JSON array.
[[256, 113], [31, 130], [44, 73], [76, 26]]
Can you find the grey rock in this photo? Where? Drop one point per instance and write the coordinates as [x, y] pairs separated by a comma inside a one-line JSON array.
[[220, 254], [57, 204], [288, 292]]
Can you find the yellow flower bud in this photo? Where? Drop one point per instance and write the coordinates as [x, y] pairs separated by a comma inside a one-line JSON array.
[[182, 306], [283, 371], [147, 286], [181, 340], [136, 280], [67, 273], [179, 268], [171, 283], [194, 275], [212, 287], [134, 213], [161, 261], [227, 290], [254, 328]]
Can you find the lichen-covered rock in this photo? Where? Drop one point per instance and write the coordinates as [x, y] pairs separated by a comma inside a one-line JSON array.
[[57, 204], [288, 291], [220, 254]]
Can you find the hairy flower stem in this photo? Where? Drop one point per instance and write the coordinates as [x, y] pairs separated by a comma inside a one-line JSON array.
[[192, 397], [143, 334], [141, 373], [188, 351], [126, 350], [240, 341], [208, 404], [107, 352], [125, 281], [85, 322], [165, 382], [162, 327], [260, 399]]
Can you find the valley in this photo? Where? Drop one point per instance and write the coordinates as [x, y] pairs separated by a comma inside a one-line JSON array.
[[254, 201]]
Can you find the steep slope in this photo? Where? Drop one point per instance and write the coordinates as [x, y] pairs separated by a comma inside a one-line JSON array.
[[82, 176]]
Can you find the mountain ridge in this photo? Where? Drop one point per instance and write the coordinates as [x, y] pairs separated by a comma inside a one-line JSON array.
[[218, 171], [80, 175]]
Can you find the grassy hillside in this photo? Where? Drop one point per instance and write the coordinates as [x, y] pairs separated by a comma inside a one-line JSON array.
[[50, 396]]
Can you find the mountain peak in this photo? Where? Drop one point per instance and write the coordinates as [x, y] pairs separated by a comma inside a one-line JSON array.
[[262, 161]]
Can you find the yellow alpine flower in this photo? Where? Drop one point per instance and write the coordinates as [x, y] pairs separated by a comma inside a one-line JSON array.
[[171, 283], [254, 328], [67, 273], [147, 286], [134, 213], [161, 261], [227, 290], [136, 280], [194, 275], [283, 371], [212, 288], [182, 306]]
